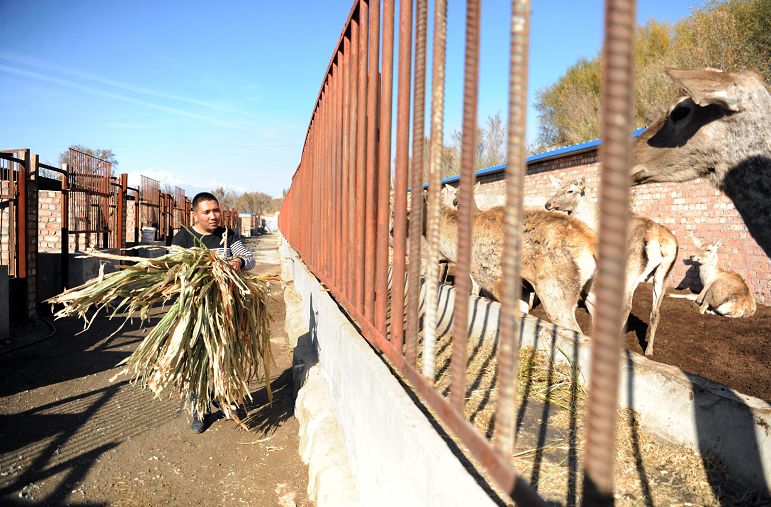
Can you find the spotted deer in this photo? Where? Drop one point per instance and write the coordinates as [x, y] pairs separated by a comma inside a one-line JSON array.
[[558, 255], [724, 292], [651, 248], [721, 131]]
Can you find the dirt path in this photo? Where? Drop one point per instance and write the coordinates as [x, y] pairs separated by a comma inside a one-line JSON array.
[[68, 436]]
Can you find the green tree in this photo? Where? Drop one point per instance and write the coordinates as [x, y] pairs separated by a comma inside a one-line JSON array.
[[731, 35]]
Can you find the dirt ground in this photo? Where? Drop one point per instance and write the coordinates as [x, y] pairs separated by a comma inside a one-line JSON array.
[[733, 352], [69, 436]]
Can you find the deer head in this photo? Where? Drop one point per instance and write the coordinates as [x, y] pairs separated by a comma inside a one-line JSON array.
[[724, 120], [707, 253], [567, 196]]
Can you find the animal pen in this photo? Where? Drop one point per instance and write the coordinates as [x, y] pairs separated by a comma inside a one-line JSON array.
[[82, 204], [356, 222]]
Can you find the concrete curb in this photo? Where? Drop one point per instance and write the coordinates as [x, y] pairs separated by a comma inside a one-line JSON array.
[[330, 482]]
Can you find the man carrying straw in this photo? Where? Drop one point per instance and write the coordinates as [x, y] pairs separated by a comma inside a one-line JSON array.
[[207, 231]]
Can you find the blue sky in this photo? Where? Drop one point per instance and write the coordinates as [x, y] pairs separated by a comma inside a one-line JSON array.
[[200, 94]]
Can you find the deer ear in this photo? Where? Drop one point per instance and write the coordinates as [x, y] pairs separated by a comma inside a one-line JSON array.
[[581, 183], [555, 183], [719, 242], [476, 187], [710, 86]]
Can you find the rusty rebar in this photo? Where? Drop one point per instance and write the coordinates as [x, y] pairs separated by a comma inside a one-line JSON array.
[[373, 94], [401, 172], [384, 168], [416, 181], [615, 157], [345, 274], [465, 206], [434, 178], [361, 153], [508, 325]]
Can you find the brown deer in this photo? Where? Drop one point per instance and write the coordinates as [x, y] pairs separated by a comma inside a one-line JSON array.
[[720, 131], [651, 248], [724, 292], [558, 255]]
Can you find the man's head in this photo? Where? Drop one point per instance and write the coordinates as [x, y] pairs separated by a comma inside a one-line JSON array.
[[207, 213]]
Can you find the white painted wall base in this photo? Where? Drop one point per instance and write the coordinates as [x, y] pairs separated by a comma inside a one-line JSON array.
[[395, 455]]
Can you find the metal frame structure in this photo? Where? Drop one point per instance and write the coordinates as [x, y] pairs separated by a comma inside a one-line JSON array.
[[339, 202], [14, 171]]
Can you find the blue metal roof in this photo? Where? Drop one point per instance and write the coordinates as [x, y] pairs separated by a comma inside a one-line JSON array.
[[559, 152]]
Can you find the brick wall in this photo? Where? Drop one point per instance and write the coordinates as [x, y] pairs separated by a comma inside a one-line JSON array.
[[695, 207]]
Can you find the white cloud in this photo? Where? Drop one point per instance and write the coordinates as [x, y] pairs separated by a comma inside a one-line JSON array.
[[169, 178]]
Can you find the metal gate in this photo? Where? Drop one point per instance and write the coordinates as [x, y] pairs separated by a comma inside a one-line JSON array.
[[91, 189]]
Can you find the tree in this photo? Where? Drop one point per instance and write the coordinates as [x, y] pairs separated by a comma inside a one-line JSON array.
[[731, 36]]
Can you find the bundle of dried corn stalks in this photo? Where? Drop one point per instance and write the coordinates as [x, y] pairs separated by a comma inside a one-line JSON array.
[[214, 336]]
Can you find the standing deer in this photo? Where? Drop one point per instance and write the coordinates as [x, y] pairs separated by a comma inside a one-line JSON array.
[[651, 248], [724, 292], [558, 255], [720, 131]]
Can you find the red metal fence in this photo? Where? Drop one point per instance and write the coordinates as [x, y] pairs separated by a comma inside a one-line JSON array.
[[337, 213], [14, 168]]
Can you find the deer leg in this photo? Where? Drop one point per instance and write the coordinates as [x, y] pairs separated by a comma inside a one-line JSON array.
[[558, 304], [659, 286]]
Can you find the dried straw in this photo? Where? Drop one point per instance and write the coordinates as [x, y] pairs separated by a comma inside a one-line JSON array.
[[212, 340]]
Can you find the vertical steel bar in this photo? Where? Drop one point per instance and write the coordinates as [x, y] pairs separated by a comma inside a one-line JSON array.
[[434, 178], [346, 273], [373, 94], [324, 147], [65, 230], [401, 173], [416, 199], [361, 152], [21, 216], [120, 212], [336, 170], [350, 205], [384, 172], [465, 206], [615, 156], [508, 343]]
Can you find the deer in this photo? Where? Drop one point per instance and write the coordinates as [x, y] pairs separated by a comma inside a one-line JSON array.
[[651, 248], [559, 255], [721, 131], [723, 292]]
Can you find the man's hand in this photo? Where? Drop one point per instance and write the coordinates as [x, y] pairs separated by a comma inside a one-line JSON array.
[[235, 263]]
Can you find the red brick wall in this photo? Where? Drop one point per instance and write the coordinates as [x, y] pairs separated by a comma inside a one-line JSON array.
[[695, 208]]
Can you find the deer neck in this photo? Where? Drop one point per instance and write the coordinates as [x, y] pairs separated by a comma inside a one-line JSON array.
[[709, 271], [587, 211]]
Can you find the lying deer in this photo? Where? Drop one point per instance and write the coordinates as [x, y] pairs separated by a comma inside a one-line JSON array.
[[720, 131], [558, 255], [651, 248], [724, 292]]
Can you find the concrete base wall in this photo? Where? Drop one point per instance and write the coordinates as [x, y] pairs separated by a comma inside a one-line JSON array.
[[395, 455]]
